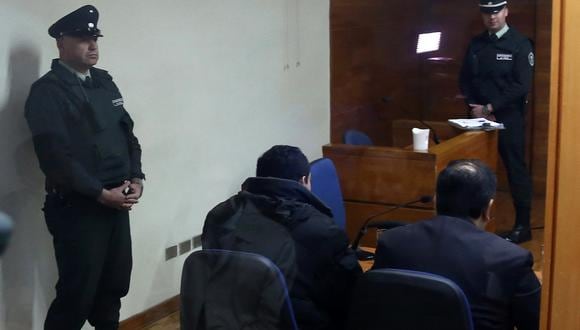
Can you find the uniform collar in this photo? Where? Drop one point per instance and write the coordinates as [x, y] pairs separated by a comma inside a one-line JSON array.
[[80, 75], [63, 73], [502, 31]]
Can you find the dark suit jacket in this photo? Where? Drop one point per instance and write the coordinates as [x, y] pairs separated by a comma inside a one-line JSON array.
[[495, 275]]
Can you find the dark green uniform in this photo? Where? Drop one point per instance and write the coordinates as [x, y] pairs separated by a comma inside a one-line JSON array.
[[499, 71], [84, 141]]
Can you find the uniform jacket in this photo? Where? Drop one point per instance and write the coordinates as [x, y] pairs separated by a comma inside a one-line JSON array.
[[82, 135], [495, 275], [498, 72], [285, 222]]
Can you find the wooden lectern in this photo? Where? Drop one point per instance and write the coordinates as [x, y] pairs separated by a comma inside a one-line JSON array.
[[376, 178]]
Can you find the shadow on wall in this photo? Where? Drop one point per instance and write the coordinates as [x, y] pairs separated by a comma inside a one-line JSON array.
[[28, 270]]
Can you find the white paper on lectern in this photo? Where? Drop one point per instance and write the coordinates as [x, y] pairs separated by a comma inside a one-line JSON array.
[[476, 123]]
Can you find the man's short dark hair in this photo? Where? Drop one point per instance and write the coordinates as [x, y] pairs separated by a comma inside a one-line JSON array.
[[283, 162], [464, 189]]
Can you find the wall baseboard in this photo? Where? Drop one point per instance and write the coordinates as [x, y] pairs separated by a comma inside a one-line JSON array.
[[151, 315]]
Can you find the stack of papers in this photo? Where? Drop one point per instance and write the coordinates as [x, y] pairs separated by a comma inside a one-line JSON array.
[[476, 124]]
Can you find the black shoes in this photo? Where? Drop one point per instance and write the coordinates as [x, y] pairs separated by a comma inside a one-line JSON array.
[[518, 235]]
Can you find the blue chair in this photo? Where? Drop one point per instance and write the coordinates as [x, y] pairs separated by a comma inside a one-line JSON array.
[[223, 289], [358, 138], [326, 187], [398, 299]]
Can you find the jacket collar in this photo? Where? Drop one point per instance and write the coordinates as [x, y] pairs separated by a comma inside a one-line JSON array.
[[284, 189], [503, 31], [506, 35], [82, 76], [452, 218], [65, 75]]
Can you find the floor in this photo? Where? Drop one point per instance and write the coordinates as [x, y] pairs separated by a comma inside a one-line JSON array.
[[503, 217], [171, 322]]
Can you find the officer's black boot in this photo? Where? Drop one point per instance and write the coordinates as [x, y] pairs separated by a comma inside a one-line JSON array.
[[521, 231], [519, 235]]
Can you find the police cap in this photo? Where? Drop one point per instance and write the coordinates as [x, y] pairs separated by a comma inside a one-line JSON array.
[[492, 6], [80, 23]]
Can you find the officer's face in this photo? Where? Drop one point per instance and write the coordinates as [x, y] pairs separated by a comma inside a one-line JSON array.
[[495, 22], [79, 52]]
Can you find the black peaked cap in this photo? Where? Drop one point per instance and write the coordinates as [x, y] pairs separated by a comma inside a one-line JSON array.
[[80, 23]]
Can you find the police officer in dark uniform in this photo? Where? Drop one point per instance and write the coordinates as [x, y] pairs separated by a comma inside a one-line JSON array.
[[84, 141], [495, 78]]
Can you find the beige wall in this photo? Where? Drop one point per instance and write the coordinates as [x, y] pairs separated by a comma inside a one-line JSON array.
[[206, 84]]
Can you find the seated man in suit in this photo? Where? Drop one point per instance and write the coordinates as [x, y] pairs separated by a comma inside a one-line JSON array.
[[495, 275], [277, 216]]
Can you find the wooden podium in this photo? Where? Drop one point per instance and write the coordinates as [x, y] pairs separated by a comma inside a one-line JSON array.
[[376, 178]]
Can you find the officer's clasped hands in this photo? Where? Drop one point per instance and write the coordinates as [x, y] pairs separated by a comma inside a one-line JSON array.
[[117, 198]]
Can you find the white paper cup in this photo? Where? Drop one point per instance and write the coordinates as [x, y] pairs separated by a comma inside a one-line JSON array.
[[420, 139]]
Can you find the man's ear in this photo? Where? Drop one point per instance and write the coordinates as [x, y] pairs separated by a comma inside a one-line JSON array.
[[59, 43], [435, 202], [305, 181], [487, 217]]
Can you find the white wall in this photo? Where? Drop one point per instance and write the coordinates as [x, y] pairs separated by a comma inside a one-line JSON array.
[[205, 82]]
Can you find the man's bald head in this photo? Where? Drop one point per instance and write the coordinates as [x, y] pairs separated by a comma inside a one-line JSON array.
[[465, 188]]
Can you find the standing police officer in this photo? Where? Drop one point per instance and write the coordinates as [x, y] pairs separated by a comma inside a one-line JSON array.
[[495, 78], [84, 141]]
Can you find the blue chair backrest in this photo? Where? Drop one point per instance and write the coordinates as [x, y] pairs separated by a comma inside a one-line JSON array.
[[398, 299], [223, 289], [358, 138], [326, 187]]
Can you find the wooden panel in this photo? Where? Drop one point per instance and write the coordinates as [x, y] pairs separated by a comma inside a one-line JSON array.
[[382, 174], [469, 145], [387, 175], [376, 76], [561, 294], [541, 96], [375, 179], [357, 213]]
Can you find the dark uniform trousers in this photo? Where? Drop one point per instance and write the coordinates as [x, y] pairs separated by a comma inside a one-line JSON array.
[[92, 245], [511, 145]]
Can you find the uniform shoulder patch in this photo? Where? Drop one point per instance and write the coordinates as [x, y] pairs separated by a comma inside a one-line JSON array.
[[531, 58]]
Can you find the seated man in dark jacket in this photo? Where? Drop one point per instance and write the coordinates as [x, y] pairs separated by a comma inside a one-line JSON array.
[[495, 275], [277, 216]]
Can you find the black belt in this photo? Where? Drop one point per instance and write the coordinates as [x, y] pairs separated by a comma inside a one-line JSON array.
[[64, 193], [113, 185]]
